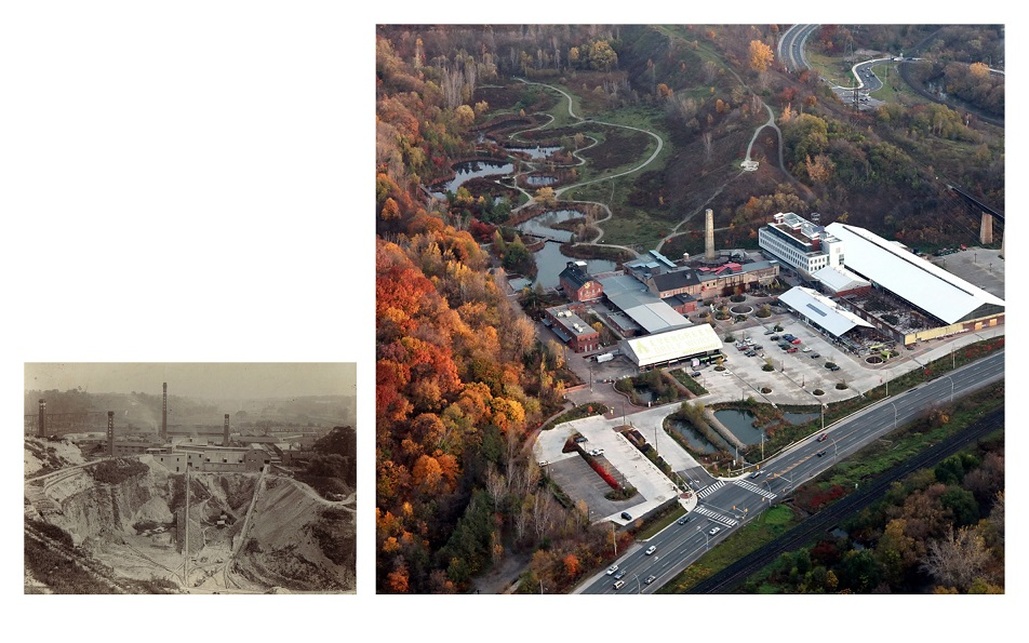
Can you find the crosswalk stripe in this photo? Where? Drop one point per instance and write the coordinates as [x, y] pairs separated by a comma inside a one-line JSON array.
[[750, 486], [711, 488], [717, 517]]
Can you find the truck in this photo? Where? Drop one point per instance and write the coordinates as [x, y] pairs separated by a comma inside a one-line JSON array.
[[605, 357]]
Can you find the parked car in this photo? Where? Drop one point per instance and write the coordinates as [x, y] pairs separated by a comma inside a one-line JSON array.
[[597, 452], [695, 374], [815, 355], [774, 338], [612, 569], [581, 439], [791, 349], [651, 550], [806, 349], [626, 516], [795, 340]]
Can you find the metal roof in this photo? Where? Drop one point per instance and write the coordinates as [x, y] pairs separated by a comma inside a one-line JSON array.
[[672, 345], [837, 278], [929, 287], [639, 304], [821, 310]]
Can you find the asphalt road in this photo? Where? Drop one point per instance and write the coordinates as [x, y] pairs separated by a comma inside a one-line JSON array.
[[727, 503]]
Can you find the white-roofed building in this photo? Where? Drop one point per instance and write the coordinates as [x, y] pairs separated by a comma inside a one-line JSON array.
[[821, 311], [672, 345], [841, 282], [931, 289]]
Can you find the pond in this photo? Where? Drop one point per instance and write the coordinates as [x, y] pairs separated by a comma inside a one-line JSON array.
[[538, 152], [539, 180], [471, 170], [644, 395], [697, 442], [740, 424], [800, 418], [550, 262], [540, 225]]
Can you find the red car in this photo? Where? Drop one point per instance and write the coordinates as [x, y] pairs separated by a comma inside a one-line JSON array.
[[796, 340], [823, 437], [791, 349]]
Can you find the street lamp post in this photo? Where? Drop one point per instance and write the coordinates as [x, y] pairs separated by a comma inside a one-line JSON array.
[[894, 415], [707, 539]]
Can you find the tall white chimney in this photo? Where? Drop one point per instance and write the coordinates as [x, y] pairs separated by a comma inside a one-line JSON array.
[[709, 235]]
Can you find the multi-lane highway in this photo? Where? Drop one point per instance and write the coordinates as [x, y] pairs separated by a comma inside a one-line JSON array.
[[790, 49], [728, 503]]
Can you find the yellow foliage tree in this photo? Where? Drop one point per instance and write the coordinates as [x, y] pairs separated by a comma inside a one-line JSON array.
[[545, 196], [464, 115], [761, 56], [979, 70]]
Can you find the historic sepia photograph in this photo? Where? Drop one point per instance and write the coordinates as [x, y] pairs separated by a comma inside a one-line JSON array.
[[690, 308], [190, 478]]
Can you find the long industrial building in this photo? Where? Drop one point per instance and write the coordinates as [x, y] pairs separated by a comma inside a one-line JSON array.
[[957, 304]]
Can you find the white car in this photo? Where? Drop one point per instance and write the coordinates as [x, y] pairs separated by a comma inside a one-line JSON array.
[[714, 530], [651, 549], [612, 569], [596, 452]]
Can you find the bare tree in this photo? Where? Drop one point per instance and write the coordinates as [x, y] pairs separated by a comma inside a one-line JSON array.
[[496, 485], [958, 559], [543, 514]]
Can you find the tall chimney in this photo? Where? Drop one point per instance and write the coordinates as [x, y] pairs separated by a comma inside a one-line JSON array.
[[225, 433], [709, 235], [164, 414], [110, 433], [42, 419]]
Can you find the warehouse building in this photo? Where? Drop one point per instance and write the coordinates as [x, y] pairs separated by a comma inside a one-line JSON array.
[[943, 303], [672, 346]]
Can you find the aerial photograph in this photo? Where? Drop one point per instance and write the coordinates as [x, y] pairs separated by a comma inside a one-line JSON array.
[[190, 478], [660, 309]]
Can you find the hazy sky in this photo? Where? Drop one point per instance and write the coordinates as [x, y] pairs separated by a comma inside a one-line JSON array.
[[211, 380]]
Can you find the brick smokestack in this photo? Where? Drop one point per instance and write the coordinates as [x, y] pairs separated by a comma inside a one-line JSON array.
[[41, 431], [709, 235], [164, 414], [225, 433], [110, 433]]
